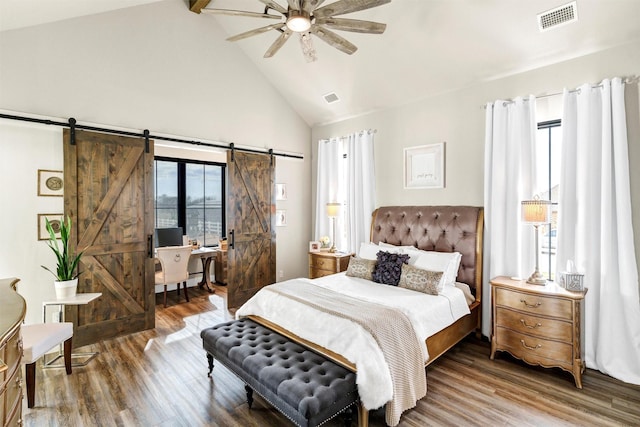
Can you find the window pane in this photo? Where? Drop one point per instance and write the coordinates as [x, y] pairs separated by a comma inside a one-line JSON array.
[[213, 204], [166, 194], [195, 202], [549, 145]]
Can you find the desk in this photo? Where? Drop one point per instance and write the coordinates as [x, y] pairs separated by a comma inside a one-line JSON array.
[[206, 256], [78, 299]]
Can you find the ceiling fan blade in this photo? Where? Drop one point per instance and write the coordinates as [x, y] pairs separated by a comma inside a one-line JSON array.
[[239, 13], [353, 25], [275, 47], [309, 5], [342, 7], [275, 6], [333, 39], [255, 32]]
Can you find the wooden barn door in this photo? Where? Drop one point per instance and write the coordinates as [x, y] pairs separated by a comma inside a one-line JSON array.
[[251, 225], [109, 196]]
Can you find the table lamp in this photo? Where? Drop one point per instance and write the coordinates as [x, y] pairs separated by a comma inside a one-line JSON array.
[[536, 212], [333, 210]]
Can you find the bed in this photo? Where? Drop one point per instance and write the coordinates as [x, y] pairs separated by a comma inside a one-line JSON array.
[[429, 228]]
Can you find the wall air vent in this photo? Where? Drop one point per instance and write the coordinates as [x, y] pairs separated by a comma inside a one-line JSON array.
[[558, 16], [330, 98]]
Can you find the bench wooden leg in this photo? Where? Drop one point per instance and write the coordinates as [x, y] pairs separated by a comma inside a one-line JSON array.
[[249, 391], [30, 373], [67, 355], [210, 361], [363, 415]]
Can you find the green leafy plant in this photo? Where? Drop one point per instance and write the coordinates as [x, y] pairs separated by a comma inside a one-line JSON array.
[[67, 260]]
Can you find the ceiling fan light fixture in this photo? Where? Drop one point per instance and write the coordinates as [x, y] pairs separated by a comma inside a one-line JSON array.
[[298, 21]]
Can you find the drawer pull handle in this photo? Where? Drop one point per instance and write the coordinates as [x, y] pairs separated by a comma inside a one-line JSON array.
[[537, 325], [536, 305], [528, 347]]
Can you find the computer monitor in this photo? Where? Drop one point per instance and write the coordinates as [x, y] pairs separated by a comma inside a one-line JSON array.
[[168, 237]]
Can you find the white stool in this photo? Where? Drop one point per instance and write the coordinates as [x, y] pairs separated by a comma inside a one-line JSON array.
[[37, 339]]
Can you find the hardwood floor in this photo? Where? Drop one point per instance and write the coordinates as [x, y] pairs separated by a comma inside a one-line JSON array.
[[159, 378]]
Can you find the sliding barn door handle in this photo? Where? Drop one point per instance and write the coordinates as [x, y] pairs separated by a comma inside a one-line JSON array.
[[150, 245], [233, 239]]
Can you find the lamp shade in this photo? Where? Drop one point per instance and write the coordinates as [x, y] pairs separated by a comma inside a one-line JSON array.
[[333, 209], [536, 211]]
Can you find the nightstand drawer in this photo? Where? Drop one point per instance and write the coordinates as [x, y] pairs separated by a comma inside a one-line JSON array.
[[324, 263], [535, 304], [316, 272], [534, 325], [533, 349]]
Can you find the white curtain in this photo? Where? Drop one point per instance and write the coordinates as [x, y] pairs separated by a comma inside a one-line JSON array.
[[328, 189], [594, 225], [361, 193], [510, 177], [346, 175]]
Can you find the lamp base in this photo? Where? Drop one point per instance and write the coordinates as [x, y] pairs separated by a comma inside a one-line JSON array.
[[332, 249], [537, 279]]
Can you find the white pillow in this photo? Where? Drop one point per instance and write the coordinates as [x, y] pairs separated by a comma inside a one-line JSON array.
[[447, 262], [369, 250], [412, 251]]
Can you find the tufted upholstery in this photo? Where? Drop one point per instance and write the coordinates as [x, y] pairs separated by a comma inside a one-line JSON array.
[[435, 228], [304, 386]]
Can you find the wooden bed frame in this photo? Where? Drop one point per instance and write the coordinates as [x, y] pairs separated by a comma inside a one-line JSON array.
[[431, 228]]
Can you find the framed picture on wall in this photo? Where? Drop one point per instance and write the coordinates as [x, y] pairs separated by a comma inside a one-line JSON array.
[[281, 191], [56, 224], [424, 166], [50, 183], [281, 218]]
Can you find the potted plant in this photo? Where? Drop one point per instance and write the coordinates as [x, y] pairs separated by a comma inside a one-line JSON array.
[[66, 282]]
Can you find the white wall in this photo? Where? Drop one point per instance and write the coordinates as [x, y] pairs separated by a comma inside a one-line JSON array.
[[158, 67], [459, 119]]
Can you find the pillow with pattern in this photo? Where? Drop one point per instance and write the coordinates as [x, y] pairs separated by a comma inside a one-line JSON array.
[[420, 280], [360, 267], [389, 267]]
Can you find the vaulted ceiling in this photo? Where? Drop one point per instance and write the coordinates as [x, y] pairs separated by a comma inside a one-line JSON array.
[[429, 46]]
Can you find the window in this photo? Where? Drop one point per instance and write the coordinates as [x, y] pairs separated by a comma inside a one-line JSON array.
[[191, 195], [548, 148]]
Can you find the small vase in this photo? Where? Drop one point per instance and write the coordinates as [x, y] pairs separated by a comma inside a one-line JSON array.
[[66, 288]]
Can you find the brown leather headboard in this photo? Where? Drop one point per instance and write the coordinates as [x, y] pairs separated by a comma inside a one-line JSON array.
[[436, 228]]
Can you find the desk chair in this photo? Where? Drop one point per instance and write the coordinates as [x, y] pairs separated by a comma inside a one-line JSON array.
[[175, 262], [38, 339]]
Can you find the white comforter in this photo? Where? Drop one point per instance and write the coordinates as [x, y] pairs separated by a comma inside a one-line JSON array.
[[428, 314]]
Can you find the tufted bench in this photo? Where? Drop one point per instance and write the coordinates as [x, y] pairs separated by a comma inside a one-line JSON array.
[[304, 386]]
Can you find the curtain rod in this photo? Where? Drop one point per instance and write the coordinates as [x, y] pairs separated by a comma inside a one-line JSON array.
[[369, 131], [145, 134], [626, 80]]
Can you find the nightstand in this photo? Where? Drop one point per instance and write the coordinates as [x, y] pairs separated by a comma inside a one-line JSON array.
[[326, 263], [541, 325]]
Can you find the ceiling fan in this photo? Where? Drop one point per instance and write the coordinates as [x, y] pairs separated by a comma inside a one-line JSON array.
[[306, 17]]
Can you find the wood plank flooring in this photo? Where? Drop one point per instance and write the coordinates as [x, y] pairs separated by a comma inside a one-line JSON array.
[[159, 378]]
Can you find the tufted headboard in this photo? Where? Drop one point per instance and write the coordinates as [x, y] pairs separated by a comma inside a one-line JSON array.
[[436, 228]]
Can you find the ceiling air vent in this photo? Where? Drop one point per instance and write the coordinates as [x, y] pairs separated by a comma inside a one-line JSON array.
[[558, 16], [331, 98]]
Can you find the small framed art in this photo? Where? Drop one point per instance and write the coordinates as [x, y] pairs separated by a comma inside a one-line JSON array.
[[314, 246], [281, 218], [281, 191], [50, 183], [424, 166], [56, 224]]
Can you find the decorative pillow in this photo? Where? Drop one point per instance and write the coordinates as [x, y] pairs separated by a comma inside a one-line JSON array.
[[420, 280], [412, 251], [368, 250], [360, 267], [389, 268], [447, 262]]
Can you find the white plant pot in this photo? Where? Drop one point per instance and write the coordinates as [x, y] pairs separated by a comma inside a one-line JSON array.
[[66, 288]]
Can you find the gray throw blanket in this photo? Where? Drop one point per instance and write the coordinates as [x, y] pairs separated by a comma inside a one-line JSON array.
[[390, 328]]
